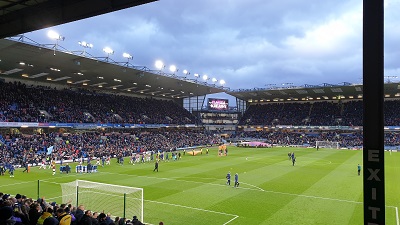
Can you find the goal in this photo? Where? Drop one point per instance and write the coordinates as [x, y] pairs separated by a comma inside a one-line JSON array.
[[327, 144], [117, 200]]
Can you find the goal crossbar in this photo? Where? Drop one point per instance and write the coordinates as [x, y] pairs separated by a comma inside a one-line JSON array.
[[122, 201]]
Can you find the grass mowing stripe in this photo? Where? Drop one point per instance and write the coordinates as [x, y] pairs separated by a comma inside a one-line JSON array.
[[340, 210], [271, 188], [188, 207], [256, 188]]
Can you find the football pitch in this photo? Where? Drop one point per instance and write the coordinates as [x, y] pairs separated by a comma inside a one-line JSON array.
[[322, 188]]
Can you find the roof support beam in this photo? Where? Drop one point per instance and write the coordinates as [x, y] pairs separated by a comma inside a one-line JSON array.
[[55, 12]]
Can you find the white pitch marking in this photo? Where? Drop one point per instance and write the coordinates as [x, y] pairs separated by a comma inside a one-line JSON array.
[[231, 220], [253, 189], [188, 207], [253, 186], [51, 178], [171, 204]]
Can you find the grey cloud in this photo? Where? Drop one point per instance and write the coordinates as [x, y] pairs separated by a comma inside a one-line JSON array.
[[247, 43]]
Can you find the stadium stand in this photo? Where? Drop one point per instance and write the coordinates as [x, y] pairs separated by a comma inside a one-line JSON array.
[[21, 103], [347, 113]]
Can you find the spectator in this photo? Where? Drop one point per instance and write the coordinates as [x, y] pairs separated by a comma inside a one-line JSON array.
[[45, 215], [34, 213], [63, 217]]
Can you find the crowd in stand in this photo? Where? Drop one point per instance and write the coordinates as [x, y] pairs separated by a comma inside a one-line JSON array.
[[19, 149], [285, 138], [22, 103], [20, 210], [339, 113]]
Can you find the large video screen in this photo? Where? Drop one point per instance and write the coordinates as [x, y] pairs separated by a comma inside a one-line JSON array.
[[217, 104]]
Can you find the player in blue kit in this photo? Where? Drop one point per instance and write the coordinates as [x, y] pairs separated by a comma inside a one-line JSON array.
[[236, 180], [228, 178]]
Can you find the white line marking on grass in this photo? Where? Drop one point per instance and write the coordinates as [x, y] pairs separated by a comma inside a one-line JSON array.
[[187, 181], [253, 189], [204, 210], [15, 183], [301, 195], [170, 204], [51, 182], [253, 186], [231, 220], [397, 215], [52, 178]]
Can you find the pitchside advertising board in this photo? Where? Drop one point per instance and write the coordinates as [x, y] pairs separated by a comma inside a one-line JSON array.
[[218, 104]]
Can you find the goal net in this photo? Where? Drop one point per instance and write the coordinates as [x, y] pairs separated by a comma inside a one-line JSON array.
[[117, 200], [327, 144]]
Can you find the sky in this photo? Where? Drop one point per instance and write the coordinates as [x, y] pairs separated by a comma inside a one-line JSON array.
[[248, 44]]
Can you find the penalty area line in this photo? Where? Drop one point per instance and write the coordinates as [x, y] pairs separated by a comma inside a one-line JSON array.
[[397, 213], [204, 210]]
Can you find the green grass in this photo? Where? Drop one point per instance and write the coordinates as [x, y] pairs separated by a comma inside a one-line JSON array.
[[322, 188]]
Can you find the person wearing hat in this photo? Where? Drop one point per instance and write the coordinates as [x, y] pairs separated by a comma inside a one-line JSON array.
[[135, 221], [5, 196], [102, 218], [19, 200]]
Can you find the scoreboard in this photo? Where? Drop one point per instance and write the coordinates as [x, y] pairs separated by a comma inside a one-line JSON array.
[[218, 104]]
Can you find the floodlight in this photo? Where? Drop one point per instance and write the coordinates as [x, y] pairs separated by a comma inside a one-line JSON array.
[[127, 55], [108, 50], [205, 77], [54, 35], [85, 44], [159, 64], [221, 82], [172, 68], [196, 75], [186, 72], [214, 80]]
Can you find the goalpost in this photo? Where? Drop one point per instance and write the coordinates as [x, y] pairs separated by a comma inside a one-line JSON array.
[[327, 144], [117, 200]]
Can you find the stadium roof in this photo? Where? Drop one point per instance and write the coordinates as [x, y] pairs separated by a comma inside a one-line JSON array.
[[311, 92], [47, 63], [21, 16]]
